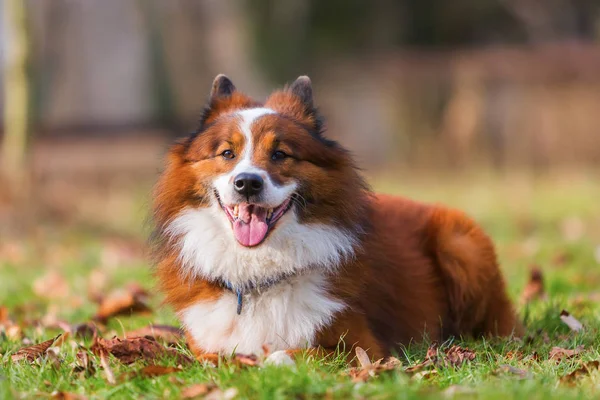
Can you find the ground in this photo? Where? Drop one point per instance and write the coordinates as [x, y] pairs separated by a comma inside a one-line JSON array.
[[53, 278]]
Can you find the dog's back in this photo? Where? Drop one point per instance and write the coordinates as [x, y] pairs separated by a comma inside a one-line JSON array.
[[432, 271]]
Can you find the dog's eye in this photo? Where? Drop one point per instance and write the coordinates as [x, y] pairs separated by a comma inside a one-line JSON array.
[[278, 155], [228, 154]]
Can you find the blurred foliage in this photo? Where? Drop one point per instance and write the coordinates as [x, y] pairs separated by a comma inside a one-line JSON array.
[[292, 35]]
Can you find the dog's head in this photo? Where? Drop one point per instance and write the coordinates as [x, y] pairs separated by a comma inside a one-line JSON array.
[[263, 175]]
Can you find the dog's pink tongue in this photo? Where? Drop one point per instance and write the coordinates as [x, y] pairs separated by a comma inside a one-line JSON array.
[[251, 227]]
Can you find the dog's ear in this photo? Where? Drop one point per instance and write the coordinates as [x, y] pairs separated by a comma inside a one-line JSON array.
[[302, 88], [221, 87]]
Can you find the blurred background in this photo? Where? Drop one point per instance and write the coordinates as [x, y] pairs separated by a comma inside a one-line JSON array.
[[489, 105]]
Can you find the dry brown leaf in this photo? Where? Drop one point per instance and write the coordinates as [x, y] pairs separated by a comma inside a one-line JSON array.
[[151, 371], [362, 357], [32, 353], [3, 315], [368, 369], [61, 339], [558, 353], [130, 350], [104, 362], [534, 290], [457, 356], [53, 358], [584, 370], [520, 373], [247, 360], [430, 360], [454, 356], [163, 333], [127, 301], [571, 321], [66, 396], [84, 331], [424, 375], [85, 365], [51, 286], [514, 355], [197, 390]]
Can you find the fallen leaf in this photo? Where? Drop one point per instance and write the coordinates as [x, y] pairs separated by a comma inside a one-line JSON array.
[[368, 369], [520, 373], [248, 360], [163, 333], [61, 339], [199, 389], [127, 301], [103, 354], [584, 370], [53, 358], [424, 375], [130, 350], [514, 355], [571, 321], [534, 290], [456, 356], [558, 353], [157, 370], [32, 353], [52, 285], [363, 358], [391, 363], [84, 331], [3, 315], [85, 367], [66, 396]]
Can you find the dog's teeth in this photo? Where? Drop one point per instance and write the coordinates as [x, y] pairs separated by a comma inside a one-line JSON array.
[[236, 210], [269, 213]]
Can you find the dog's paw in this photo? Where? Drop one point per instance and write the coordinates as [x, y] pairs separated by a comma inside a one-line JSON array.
[[280, 358]]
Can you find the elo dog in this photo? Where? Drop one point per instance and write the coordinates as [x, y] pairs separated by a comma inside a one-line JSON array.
[[267, 235]]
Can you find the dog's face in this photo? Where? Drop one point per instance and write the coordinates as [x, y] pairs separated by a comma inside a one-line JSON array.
[[264, 175]]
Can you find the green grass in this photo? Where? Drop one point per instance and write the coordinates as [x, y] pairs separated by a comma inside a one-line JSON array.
[[553, 222]]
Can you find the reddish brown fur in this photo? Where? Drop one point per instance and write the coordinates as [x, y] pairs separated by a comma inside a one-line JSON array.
[[421, 270]]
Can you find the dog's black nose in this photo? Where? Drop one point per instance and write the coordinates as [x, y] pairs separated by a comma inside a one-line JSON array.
[[248, 184]]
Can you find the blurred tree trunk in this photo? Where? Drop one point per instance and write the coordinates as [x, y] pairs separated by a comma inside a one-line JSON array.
[[16, 93]]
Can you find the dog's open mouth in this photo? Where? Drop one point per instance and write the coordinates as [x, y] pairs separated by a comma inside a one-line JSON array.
[[252, 223]]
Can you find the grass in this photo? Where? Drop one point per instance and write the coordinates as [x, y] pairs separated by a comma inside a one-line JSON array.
[[553, 222]]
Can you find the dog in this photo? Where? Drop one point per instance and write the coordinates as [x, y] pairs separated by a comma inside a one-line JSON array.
[[267, 236]]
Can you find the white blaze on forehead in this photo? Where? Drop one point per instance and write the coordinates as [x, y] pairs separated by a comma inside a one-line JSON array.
[[247, 118]]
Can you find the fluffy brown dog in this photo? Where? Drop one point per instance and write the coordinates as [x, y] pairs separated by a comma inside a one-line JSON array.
[[268, 236]]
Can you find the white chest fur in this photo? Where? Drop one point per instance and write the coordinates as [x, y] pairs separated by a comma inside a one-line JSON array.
[[284, 316]]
